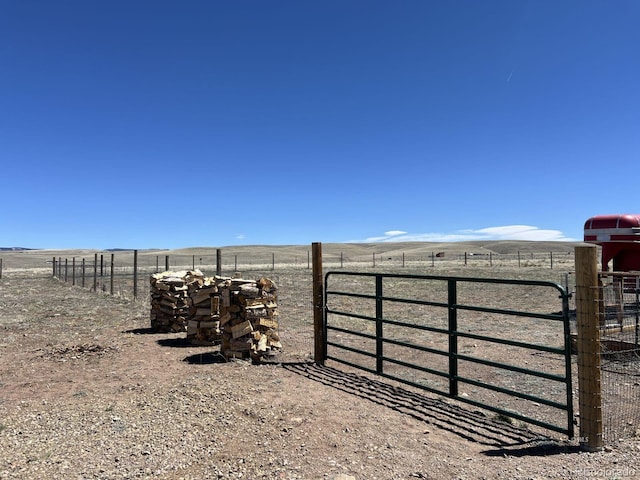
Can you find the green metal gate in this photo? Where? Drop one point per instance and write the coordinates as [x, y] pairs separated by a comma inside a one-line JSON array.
[[457, 337]]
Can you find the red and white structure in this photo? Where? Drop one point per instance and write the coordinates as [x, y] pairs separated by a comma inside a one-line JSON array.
[[619, 236]]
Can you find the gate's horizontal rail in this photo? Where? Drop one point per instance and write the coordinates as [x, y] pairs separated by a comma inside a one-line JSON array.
[[398, 300], [513, 343], [353, 332], [512, 368], [459, 306], [511, 392]]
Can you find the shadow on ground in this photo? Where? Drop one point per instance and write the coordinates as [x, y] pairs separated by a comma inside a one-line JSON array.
[[205, 358], [141, 331], [474, 426], [181, 342]]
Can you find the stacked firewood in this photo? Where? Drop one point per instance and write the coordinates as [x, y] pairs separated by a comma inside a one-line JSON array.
[[204, 311], [170, 299], [239, 314], [249, 319]]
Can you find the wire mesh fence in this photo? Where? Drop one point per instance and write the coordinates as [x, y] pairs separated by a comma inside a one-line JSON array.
[[619, 313]]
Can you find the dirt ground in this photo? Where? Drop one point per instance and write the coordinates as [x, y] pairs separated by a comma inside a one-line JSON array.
[[88, 391]]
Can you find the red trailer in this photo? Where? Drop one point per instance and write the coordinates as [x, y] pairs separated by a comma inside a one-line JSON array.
[[619, 236]]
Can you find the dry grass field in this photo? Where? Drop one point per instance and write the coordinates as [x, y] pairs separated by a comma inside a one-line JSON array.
[[88, 391]]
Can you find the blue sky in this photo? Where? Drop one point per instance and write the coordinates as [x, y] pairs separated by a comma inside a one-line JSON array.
[[166, 124]]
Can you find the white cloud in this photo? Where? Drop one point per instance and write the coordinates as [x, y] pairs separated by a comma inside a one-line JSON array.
[[393, 233], [240, 237], [506, 232]]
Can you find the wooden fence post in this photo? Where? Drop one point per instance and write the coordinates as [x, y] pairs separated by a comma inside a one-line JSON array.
[[66, 269], [1, 268], [111, 273], [83, 272], [53, 263], [166, 263], [95, 272], [588, 345], [73, 270], [319, 351], [135, 274], [218, 261]]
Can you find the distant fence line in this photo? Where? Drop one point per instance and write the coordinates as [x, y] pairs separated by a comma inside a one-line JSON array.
[[120, 275]]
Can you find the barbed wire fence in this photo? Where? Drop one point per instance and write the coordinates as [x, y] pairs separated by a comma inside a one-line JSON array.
[[124, 274]]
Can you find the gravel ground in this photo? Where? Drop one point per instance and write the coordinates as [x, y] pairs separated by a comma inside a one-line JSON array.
[[87, 391]]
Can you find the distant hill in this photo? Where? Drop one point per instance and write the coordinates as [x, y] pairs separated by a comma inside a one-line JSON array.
[[15, 249]]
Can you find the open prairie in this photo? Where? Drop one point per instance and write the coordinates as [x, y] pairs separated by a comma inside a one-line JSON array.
[[87, 390]]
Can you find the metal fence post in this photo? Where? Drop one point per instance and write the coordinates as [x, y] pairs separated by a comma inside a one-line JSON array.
[[135, 274], [319, 336], [95, 272], [379, 326], [452, 299], [588, 346]]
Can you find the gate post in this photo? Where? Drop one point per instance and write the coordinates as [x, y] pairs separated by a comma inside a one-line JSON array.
[[588, 343], [319, 334]]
